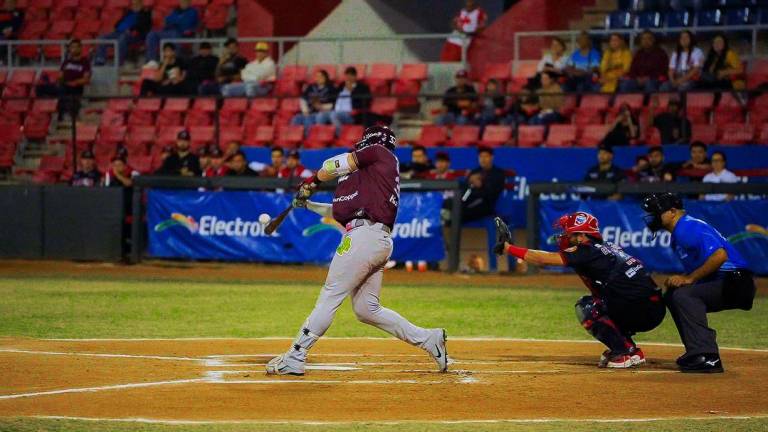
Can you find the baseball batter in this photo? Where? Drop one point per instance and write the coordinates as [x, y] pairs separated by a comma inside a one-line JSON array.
[[365, 202]]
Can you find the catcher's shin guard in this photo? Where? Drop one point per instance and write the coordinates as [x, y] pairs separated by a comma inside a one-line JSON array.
[[592, 317]]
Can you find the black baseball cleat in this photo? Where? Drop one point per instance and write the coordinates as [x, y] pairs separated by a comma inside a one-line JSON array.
[[701, 363]]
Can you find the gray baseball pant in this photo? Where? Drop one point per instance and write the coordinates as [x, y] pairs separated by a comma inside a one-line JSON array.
[[357, 269]]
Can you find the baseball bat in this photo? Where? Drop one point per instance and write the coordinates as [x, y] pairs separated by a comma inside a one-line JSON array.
[[275, 223]]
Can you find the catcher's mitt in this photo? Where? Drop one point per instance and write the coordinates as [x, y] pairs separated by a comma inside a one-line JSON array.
[[503, 235]]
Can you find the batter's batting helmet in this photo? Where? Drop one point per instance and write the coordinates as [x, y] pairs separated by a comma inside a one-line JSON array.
[[574, 223], [380, 135]]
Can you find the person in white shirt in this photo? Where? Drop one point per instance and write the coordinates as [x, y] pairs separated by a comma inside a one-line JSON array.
[[257, 76], [685, 64], [353, 99], [467, 23], [555, 60], [719, 175]]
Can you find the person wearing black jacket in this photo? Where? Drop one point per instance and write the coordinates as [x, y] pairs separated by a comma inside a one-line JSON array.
[[181, 162], [486, 183], [202, 68], [353, 99], [132, 28], [11, 20]]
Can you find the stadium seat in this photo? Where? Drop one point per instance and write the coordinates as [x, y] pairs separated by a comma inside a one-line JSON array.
[[736, 134], [591, 109], [652, 136], [501, 72], [250, 121], [464, 136], [215, 18], [289, 136], [264, 136], [648, 19], [264, 105], [167, 135], [729, 110], [709, 18], [119, 105], [169, 118], [758, 71], [176, 104], [113, 134], [699, 106], [16, 106], [380, 78], [238, 105], [385, 106], [148, 104], [230, 134], [561, 135], [592, 135], [530, 136], [145, 135], [521, 75], [432, 136], [86, 134], [758, 114], [349, 135], [202, 136], [320, 136], [198, 118], [413, 72], [36, 126], [204, 105], [142, 164], [739, 16], [295, 73], [618, 20], [705, 133], [762, 137], [678, 19], [288, 108], [496, 136], [360, 68]]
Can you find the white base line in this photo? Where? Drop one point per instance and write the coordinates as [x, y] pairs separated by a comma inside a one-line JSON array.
[[100, 388], [139, 356], [460, 339], [405, 422]]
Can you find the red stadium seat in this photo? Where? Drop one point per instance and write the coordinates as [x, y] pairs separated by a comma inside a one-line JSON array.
[[176, 104], [119, 105], [496, 136], [501, 72], [36, 126], [169, 118], [757, 74], [167, 135], [264, 105], [737, 134], [112, 118], [407, 91], [729, 110], [22, 77], [705, 133], [113, 134], [360, 68], [148, 104], [288, 108], [204, 105], [198, 118], [201, 136], [349, 135], [433, 136], [413, 72], [380, 78], [530, 136], [86, 134], [331, 69], [215, 17], [699, 106], [634, 100], [762, 137], [255, 118], [289, 136], [229, 134], [88, 26], [591, 109], [521, 75], [142, 164], [652, 137], [235, 105], [464, 136], [592, 135], [46, 106], [264, 136], [561, 135], [16, 105], [385, 106], [296, 73], [320, 136]]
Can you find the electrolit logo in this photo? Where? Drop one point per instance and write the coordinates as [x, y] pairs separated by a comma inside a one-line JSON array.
[[636, 239], [416, 228]]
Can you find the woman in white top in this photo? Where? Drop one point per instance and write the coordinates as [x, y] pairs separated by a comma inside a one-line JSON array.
[[685, 64], [555, 60], [719, 175]]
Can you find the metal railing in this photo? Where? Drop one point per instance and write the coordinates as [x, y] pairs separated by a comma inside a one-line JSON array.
[[12, 60], [571, 36], [339, 41]]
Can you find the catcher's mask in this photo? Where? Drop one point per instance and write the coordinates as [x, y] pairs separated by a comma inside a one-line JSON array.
[[380, 135], [575, 223], [655, 205]]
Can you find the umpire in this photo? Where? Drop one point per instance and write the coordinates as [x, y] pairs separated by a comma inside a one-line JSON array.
[[716, 279]]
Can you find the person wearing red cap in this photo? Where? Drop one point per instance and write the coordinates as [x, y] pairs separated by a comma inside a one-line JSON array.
[[469, 21], [625, 300]]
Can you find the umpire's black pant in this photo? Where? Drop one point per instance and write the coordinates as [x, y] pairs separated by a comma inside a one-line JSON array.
[[689, 306]]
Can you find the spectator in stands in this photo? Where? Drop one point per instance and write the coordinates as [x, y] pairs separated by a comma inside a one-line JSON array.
[[132, 28], [719, 174], [420, 165], [87, 175], [657, 170], [492, 104], [119, 173], [204, 158], [318, 98], [685, 64], [470, 21], [624, 129], [182, 22], [11, 21], [442, 169], [277, 163], [583, 66], [170, 77], [230, 150], [238, 166], [217, 168], [352, 102], [614, 66], [75, 75], [672, 124], [181, 162], [722, 68], [554, 61], [458, 101], [485, 185], [256, 78], [698, 161], [293, 168], [649, 66], [641, 165], [543, 108], [202, 69], [605, 172], [231, 65]]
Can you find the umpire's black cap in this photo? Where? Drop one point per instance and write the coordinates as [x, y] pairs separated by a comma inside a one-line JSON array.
[[657, 204]]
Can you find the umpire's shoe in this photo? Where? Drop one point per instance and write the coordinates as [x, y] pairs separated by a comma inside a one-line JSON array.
[[435, 346], [285, 365], [701, 363]]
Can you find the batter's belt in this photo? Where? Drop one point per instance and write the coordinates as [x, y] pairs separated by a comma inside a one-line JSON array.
[[356, 223]]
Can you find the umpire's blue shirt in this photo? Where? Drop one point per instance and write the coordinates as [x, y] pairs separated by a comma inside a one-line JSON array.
[[695, 241]]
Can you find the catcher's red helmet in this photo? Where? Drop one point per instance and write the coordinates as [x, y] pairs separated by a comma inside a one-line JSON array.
[[579, 222]]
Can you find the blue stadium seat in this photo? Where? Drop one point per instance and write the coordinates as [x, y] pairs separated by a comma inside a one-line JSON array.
[[618, 20], [629, 5], [708, 18], [739, 16], [654, 5], [735, 3], [648, 19], [678, 19]]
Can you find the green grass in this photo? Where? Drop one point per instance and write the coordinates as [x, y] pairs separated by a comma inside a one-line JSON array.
[[53, 307], [73, 308]]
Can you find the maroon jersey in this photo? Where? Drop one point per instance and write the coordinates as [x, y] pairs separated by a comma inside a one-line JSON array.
[[73, 69], [373, 191]]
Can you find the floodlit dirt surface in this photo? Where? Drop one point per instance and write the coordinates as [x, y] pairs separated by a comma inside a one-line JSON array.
[[365, 380]]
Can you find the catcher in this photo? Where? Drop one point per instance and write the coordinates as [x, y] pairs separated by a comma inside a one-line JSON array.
[[624, 301]]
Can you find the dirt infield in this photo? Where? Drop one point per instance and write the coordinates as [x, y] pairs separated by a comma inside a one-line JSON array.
[[363, 380]]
